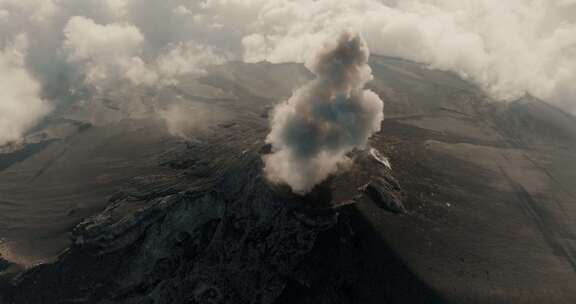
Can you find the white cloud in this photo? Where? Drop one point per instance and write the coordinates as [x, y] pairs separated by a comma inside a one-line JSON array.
[[107, 53], [37, 10], [20, 104], [186, 58], [509, 47], [115, 52], [182, 10], [118, 8]]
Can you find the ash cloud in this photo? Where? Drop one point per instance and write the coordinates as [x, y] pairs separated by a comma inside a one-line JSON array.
[[313, 131]]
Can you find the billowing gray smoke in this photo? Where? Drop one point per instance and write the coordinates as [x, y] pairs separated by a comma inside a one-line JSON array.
[[313, 131]]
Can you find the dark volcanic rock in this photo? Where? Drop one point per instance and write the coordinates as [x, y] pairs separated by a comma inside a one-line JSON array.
[[382, 188], [227, 237], [8, 159], [235, 244], [220, 237], [4, 264], [386, 194]]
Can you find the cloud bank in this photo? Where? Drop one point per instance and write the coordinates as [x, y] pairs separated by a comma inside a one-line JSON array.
[[508, 48], [312, 132]]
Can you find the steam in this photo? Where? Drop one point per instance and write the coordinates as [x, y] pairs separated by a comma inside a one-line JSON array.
[[106, 53], [114, 52], [509, 48], [314, 130], [183, 120], [20, 106]]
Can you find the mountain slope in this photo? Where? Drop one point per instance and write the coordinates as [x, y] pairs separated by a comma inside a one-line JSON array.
[[486, 188]]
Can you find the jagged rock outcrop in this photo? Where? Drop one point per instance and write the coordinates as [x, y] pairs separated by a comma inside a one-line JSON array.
[[386, 194], [382, 188]]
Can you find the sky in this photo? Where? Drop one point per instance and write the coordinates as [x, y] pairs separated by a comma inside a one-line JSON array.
[[52, 48]]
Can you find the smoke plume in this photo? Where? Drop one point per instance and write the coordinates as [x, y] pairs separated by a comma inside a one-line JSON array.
[[314, 130]]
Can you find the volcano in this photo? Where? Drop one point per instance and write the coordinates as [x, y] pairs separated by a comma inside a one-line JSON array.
[[458, 199]]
